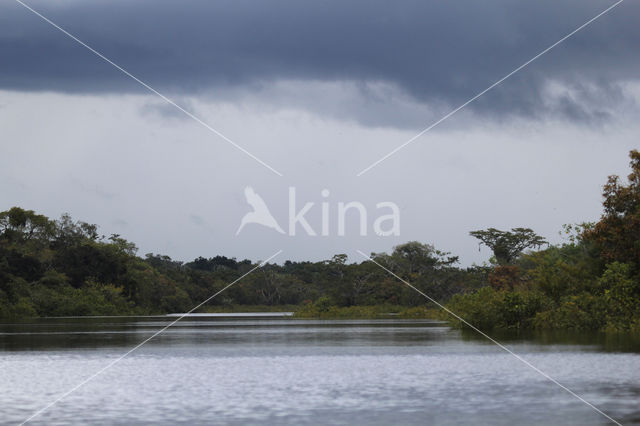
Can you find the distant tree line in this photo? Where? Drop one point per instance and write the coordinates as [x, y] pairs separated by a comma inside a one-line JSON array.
[[64, 267]]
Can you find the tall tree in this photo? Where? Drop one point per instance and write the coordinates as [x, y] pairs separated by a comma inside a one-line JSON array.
[[617, 234], [507, 245]]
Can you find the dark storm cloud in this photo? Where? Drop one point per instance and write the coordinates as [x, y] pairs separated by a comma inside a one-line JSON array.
[[440, 52]]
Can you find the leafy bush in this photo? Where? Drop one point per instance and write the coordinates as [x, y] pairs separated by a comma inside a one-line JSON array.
[[489, 308], [621, 296], [581, 312]]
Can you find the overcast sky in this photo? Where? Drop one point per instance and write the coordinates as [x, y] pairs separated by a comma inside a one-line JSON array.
[[319, 91]]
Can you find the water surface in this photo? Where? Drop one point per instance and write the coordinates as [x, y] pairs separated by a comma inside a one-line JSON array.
[[279, 370]]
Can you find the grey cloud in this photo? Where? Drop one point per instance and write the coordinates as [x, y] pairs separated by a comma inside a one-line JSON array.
[[438, 53], [93, 189], [9, 181], [165, 110], [121, 223], [196, 220]]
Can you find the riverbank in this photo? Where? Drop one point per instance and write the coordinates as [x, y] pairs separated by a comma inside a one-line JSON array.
[[322, 310], [234, 309]]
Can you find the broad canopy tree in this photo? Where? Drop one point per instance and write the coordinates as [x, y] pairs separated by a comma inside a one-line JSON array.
[[507, 245]]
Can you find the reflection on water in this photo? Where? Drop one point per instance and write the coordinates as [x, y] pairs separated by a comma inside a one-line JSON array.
[[279, 370]]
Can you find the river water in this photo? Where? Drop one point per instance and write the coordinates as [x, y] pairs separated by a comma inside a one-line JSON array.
[[279, 370]]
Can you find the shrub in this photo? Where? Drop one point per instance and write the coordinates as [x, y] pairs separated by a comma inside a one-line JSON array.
[[581, 312], [621, 296], [489, 308]]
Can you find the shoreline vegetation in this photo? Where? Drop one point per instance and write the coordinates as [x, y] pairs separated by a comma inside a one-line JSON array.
[[591, 282], [322, 309]]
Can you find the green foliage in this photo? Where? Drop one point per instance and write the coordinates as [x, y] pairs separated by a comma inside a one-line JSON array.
[[489, 308], [322, 308], [43, 300], [65, 268], [250, 308], [575, 312], [561, 271], [617, 235], [177, 301], [323, 304], [507, 245], [419, 312], [564, 290], [621, 296], [480, 308]]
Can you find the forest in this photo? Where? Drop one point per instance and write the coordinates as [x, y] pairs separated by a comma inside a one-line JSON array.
[[591, 281]]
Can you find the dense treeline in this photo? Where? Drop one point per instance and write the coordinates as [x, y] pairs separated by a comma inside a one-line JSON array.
[[61, 267], [591, 283]]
